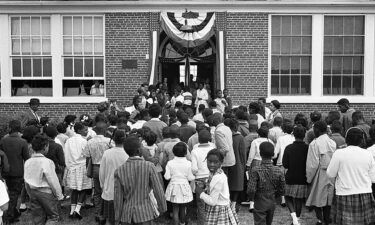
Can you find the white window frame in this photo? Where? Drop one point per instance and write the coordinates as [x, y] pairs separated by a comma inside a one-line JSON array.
[[317, 64], [57, 63]]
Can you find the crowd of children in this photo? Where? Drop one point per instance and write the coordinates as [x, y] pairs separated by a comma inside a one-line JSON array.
[[157, 156]]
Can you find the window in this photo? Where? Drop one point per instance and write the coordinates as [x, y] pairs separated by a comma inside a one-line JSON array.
[[343, 55], [83, 59], [193, 71], [291, 55], [31, 56]]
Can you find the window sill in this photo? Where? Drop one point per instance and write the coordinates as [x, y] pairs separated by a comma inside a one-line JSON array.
[[78, 99], [323, 99]]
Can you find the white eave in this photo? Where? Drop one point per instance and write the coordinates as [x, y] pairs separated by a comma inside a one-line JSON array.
[[299, 6]]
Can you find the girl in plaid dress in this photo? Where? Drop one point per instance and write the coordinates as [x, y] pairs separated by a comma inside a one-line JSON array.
[[216, 196]]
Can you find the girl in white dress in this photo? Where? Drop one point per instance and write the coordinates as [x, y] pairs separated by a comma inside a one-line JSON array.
[[178, 171]]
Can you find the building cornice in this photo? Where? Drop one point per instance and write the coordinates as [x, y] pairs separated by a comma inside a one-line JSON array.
[[291, 6]]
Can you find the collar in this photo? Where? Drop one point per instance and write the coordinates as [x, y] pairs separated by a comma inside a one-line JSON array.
[[35, 155], [135, 158], [204, 145], [154, 119], [16, 134]]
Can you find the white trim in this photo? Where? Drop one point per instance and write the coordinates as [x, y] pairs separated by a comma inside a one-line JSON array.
[[4, 56], [154, 49], [317, 49], [56, 40], [221, 55], [78, 99], [369, 55], [326, 99]]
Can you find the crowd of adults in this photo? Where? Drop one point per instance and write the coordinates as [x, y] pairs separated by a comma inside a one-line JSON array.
[[162, 154]]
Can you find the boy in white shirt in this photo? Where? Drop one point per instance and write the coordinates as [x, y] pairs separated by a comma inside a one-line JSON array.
[[4, 199]]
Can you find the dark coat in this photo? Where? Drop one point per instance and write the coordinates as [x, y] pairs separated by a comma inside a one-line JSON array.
[[236, 172]]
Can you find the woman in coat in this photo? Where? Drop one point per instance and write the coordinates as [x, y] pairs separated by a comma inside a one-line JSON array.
[[321, 187]]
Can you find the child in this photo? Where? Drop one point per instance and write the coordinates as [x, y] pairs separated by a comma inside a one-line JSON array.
[[179, 192], [266, 183], [4, 199], [42, 184], [186, 131], [216, 195], [150, 150], [155, 124], [336, 129]]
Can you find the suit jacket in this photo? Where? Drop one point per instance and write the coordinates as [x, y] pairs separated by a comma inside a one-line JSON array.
[[26, 116], [133, 182], [56, 154]]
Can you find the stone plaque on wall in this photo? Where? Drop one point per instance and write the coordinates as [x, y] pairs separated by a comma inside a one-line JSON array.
[[129, 64]]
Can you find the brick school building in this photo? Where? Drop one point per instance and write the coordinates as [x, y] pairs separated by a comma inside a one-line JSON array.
[[74, 54]]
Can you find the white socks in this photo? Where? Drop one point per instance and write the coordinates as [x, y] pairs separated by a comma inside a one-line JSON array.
[[78, 207], [72, 208], [251, 205], [294, 217], [282, 200]]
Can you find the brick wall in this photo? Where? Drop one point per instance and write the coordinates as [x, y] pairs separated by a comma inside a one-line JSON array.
[[127, 37], [247, 47]]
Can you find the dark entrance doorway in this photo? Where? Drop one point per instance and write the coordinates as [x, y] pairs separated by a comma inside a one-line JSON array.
[[201, 67]]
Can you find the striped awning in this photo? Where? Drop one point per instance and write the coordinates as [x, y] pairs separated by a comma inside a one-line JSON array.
[[201, 25]]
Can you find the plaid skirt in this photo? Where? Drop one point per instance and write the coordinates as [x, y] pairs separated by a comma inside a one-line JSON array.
[[221, 215], [109, 211], [76, 178], [296, 191], [353, 209]]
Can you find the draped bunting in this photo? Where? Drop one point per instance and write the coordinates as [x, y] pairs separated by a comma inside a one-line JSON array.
[[202, 27]]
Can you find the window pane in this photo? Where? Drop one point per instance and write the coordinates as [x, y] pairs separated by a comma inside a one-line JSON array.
[[348, 25], [357, 65], [275, 69], [37, 67], [67, 46], [286, 25], [275, 84], [336, 85], [31, 87], [358, 45], [346, 85], [336, 65], [83, 88], [328, 45], [296, 25], [275, 45], [98, 26], [16, 67], [46, 26], [306, 65], [99, 68], [284, 84], [338, 25], [357, 85], [359, 24], [285, 45], [348, 45], [47, 67], [295, 84], [35, 26], [78, 67], [285, 65], [328, 25], [16, 46], [306, 45], [98, 48], [306, 25], [77, 46], [327, 85], [68, 67], [87, 26], [276, 25], [25, 25], [305, 84], [36, 46], [26, 63], [15, 24], [26, 48], [347, 65], [295, 65], [46, 46], [327, 65], [67, 21], [89, 67], [77, 25], [338, 45], [88, 46], [296, 45]]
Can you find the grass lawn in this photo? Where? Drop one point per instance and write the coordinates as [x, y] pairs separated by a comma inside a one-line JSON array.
[[281, 217]]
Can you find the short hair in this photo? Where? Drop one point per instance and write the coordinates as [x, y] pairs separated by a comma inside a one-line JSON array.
[[178, 104], [201, 107], [262, 99], [165, 132], [354, 136], [154, 110], [233, 124], [144, 114], [263, 131], [44, 120], [217, 118], [210, 121], [287, 126], [189, 112], [29, 133], [112, 119], [100, 128], [253, 125], [243, 108], [174, 131], [150, 137], [184, 119], [315, 116], [15, 126], [332, 116], [321, 126], [135, 100], [100, 117], [276, 104], [343, 101], [78, 126], [180, 149], [61, 128], [39, 142], [372, 133], [119, 136], [207, 112], [200, 126], [132, 145], [266, 124], [34, 101], [336, 127], [217, 153], [266, 150], [204, 136], [357, 116], [124, 114], [299, 119], [254, 107], [213, 104], [51, 131], [278, 121], [241, 115], [70, 119], [299, 131]]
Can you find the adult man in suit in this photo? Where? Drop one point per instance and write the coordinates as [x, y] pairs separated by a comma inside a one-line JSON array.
[[134, 181], [30, 114]]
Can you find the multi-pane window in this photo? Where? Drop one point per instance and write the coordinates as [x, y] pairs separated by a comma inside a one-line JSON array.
[[291, 55], [343, 55], [31, 56], [83, 59]]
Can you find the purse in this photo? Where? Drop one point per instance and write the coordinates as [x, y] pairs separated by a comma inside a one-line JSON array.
[[89, 169]]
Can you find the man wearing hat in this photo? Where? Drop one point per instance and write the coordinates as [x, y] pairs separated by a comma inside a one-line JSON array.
[[31, 113]]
